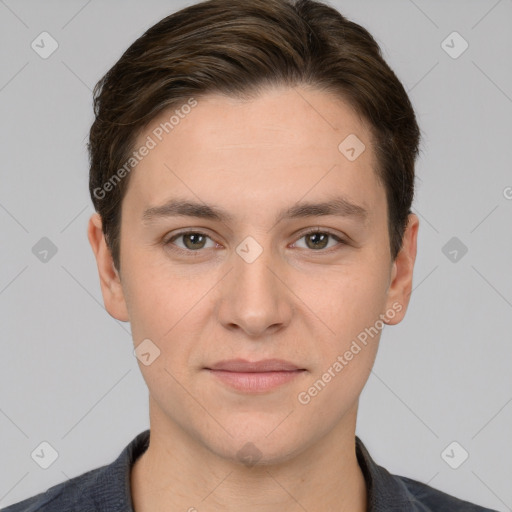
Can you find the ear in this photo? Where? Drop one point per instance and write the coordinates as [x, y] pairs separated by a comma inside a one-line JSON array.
[[400, 287], [110, 281]]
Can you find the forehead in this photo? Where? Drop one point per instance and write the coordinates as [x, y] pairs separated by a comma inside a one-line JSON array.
[[284, 143]]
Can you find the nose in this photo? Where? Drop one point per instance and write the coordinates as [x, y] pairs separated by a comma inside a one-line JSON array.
[[254, 298]]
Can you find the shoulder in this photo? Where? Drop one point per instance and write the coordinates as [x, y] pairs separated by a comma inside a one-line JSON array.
[[389, 492], [68, 495], [429, 499], [103, 489]]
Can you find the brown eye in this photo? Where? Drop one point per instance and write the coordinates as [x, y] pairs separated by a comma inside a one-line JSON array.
[[191, 241], [194, 241], [318, 240]]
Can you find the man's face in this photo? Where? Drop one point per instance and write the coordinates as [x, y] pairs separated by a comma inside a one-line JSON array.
[[252, 287]]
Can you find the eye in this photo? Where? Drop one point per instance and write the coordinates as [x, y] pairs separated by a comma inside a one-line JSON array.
[[192, 241], [317, 240]]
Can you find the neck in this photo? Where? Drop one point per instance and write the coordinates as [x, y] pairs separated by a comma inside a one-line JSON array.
[[179, 473]]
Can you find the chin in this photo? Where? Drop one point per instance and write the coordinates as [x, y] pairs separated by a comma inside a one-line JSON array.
[[252, 446]]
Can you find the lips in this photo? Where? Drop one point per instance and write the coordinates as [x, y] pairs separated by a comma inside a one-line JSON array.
[[244, 366], [255, 377]]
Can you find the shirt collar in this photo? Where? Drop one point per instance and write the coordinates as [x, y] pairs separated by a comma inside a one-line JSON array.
[[384, 491]]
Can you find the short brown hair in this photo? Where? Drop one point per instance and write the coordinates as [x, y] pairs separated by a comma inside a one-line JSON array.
[[237, 47]]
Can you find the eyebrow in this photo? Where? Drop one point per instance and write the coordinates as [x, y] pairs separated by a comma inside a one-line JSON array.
[[338, 206]]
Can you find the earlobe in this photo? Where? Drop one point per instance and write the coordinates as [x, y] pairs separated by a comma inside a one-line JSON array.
[[110, 282], [399, 291]]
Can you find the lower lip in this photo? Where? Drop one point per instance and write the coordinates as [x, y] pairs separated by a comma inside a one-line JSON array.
[[255, 382]]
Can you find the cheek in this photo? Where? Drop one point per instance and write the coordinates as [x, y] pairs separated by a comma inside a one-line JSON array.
[[162, 308], [159, 302], [350, 304], [335, 390], [348, 299], [351, 307]]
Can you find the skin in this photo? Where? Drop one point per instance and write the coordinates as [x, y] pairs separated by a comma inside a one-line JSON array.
[[294, 302]]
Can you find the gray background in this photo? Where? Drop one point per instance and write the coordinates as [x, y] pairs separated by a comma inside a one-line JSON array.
[[67, 372]]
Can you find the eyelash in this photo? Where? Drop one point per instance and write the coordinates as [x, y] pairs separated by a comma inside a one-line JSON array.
[[168, 243]]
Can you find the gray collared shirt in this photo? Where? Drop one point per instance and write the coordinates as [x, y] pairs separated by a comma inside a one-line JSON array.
[[107, 489]]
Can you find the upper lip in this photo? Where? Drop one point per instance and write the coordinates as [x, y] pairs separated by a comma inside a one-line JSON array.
[[265, 365]]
